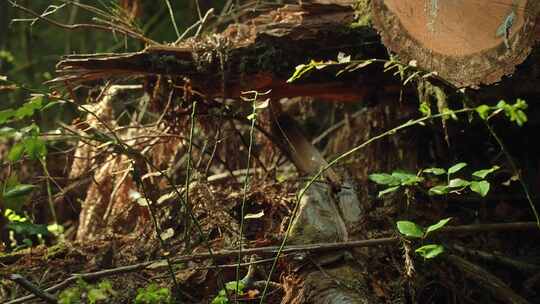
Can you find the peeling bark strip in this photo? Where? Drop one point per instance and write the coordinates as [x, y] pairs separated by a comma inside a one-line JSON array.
[[258, 55], [468, 42]]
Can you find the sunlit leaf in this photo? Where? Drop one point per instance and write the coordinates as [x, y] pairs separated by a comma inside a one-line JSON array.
[[387, 190], [483, 173], [410, 229], [458, 183], [483, 111], [430, 251], [439, 190], [455, 168], [35, 147], [435, 171], [480, 187], [384, 179], [407, 179], [438, 225]]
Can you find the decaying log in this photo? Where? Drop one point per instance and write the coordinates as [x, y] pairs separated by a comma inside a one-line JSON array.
[[258, 55]]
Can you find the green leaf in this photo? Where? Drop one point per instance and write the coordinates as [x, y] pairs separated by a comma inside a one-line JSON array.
[[252, 116], [425, 109], [430, 251], [35, 147], [410, 229], [384, 179], [52, 104], [435, 171], [406, 179], [70, 296], [28, 229], [439, 190], [19, 190], [455, 168], [97, 294], [480, 187], [5, 115], [232, 286], [438, 225], [481, 174], [483, 111], [16, 152], [458, 183], [387, 190], [30, 107]]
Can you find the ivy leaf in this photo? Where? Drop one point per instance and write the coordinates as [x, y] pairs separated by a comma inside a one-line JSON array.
[[410, 229], [435, 171], [438, 225], [384, 179], [430, 251], [458, 183], [439, 190], [480, 187], [387, 190], [455, 168], [481, 174]]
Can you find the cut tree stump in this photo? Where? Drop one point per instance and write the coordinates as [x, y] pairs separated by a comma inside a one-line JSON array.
[[467, 42]]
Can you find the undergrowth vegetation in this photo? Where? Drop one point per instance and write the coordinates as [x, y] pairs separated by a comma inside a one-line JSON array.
[[147, 177]]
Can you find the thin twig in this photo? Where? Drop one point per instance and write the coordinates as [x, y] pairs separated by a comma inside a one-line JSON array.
[[516, 171], [245, 192], [85, 25], [31, 287]]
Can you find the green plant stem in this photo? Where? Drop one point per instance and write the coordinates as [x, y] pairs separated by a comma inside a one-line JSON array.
[[244, 196], [408, 124], [49, 191], [188, 172], [516, 171], [173, 20]]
